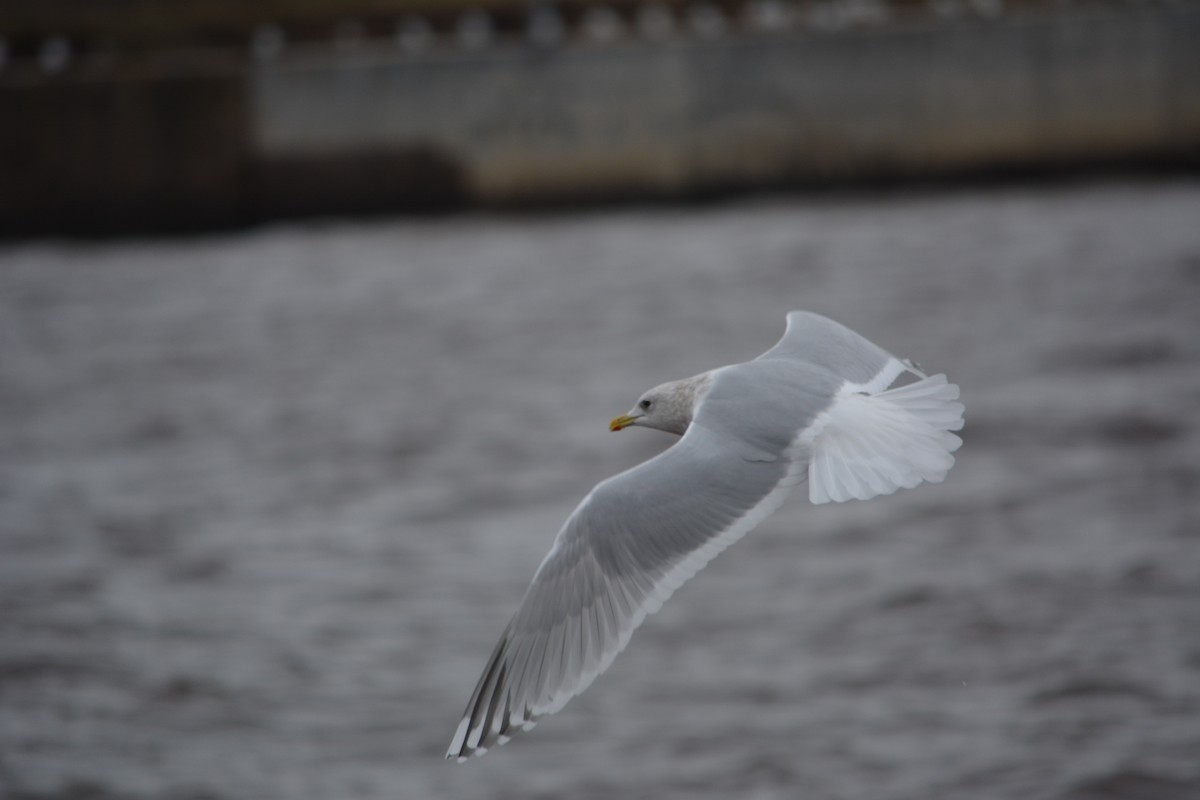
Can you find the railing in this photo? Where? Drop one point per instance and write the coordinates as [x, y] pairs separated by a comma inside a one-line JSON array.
[[544, 25]]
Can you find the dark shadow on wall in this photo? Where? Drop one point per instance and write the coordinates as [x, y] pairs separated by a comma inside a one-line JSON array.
[[407, 180], [172, 153], [97, 156]]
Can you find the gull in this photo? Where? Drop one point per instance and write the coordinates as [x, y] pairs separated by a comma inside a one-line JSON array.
[[824, 405]]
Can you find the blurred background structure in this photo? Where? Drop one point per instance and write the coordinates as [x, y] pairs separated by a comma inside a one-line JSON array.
[[270, 489], [152, 114]]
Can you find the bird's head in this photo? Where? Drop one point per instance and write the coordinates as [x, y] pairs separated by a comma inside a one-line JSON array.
[[667, 407], [644, 413]]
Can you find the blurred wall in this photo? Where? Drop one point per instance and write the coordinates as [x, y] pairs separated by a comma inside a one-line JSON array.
[[671, 119], [320, 131], [146, 152]]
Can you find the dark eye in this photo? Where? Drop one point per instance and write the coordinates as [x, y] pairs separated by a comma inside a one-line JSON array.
[[645, 405]]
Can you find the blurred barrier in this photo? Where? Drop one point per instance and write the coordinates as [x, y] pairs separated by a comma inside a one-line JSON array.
[[675, 118], [141, 152], [668, 104]]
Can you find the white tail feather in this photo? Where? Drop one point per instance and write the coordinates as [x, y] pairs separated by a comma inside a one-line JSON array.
[[868, 445]]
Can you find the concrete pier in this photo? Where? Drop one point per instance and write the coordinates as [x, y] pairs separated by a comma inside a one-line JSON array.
[[677, 118], [322, 130]]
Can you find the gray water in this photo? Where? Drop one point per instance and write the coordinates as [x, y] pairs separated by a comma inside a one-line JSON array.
[[268, 498]]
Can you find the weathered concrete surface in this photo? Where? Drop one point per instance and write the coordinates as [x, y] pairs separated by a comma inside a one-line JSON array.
[[678, 118]]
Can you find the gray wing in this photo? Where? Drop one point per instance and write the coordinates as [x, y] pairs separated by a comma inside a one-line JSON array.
[[625, 549], [819, 340]]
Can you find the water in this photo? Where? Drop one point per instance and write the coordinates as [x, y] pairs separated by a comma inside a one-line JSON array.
[[268, 498]]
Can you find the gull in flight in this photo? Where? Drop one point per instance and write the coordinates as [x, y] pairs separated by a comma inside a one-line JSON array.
[[824, 405]]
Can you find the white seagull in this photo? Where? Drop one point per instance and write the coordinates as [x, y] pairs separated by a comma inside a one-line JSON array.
[[824, 404]]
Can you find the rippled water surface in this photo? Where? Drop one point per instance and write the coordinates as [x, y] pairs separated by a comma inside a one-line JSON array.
[[268, 498]]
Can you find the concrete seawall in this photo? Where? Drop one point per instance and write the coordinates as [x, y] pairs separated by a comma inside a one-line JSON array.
[[671, 119], [317, 132]]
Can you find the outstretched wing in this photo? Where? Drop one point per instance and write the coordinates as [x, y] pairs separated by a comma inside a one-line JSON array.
[[625, 549], [830, 345]]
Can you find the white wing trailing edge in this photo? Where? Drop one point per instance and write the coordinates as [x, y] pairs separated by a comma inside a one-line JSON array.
[[866, 445]]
